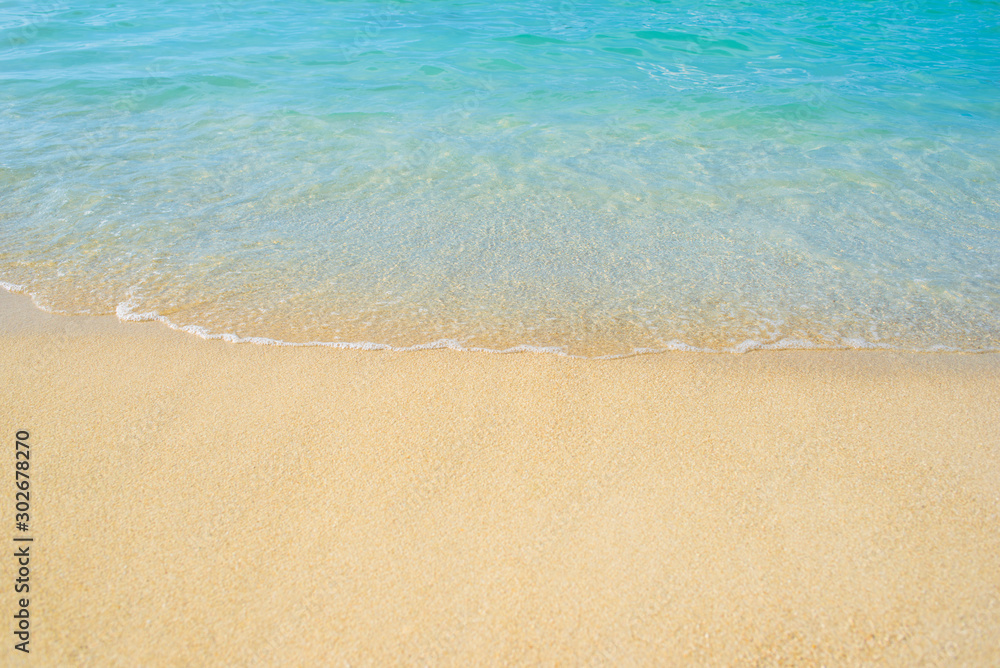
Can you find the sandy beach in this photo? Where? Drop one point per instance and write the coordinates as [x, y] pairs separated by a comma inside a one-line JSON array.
[[204, 503]]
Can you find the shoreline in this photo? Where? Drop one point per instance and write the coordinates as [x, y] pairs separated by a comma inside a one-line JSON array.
[[202, 502], [124, 315]]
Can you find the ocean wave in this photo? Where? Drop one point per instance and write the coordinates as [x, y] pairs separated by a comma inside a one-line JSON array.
[[125, 312]]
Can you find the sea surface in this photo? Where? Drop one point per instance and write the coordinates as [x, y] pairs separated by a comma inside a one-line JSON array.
[[590, 177]]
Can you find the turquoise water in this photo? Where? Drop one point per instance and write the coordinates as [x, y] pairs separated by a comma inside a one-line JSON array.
[[592, 177]]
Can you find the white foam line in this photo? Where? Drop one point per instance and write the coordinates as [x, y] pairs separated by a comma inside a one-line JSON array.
[[125, 313]]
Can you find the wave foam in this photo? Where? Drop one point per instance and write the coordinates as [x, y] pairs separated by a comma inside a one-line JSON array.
[[125, 312]]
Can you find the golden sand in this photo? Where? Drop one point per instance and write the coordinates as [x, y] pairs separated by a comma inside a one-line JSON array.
[[205, 503]]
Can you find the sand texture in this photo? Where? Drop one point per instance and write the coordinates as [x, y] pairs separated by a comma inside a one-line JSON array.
[[205, 503]]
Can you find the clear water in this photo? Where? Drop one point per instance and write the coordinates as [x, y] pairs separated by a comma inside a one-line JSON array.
[[589, 176]]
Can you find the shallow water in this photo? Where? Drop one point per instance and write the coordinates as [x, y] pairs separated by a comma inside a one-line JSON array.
[[592, 177]]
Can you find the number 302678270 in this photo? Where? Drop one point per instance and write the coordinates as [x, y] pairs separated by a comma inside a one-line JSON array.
[[22, 456]]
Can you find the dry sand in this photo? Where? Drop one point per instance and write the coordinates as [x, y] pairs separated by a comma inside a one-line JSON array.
[[205, 503]]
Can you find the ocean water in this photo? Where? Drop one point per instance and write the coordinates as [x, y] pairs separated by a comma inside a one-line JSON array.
[[594, 177]]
